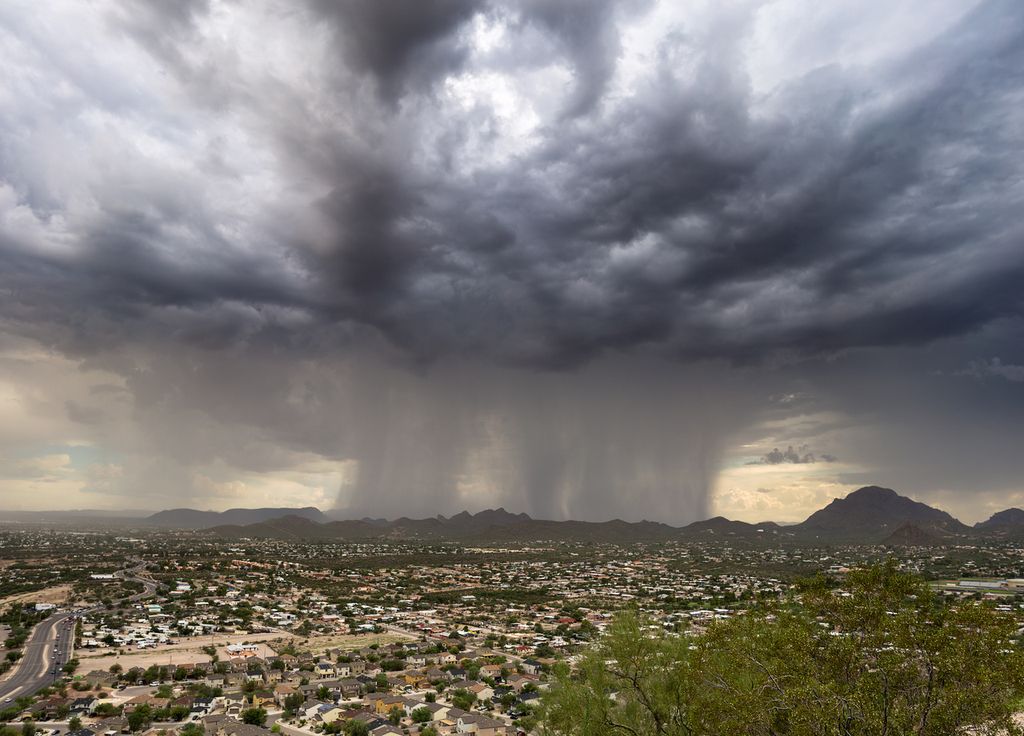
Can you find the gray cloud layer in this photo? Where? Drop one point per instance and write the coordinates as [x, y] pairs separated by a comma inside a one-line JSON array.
[[519, 186]]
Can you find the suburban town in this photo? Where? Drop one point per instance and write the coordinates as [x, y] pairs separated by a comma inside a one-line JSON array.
[[181, 631]]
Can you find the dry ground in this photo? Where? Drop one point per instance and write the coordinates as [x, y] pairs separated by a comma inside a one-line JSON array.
[[58, 594], [187, 651]]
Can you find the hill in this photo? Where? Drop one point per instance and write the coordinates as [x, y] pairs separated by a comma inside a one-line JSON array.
[[195, 519], [872, 514], [869, 515], [1008, 523], [911, 535]]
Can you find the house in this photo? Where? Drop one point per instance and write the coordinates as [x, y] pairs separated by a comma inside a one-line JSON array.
[[281, 692], [438, 711], [202, 706], [491, 670], [532, 666], [324, 670], [310, 708], [325, 713], [481, 725], [51, 708], [383, 705], [215, 680], [350, 688], [221, 726], [262, 698], [83, 705], [481, 690], [140, 700]]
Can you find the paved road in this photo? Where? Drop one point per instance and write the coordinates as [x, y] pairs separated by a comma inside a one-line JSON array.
[[51, 645], [48, 647]]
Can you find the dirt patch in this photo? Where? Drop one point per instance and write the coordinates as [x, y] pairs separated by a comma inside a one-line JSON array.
[[188, 651], [59, 594]]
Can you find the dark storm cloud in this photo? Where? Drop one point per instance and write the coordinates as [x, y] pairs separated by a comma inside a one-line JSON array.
[[681, 220], [402, 45], [793, 456], [503, 184]]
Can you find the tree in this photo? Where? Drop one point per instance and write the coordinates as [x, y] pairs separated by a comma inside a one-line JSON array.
[[254, 716], [395, 715], [75, 723], [421, 714], [192, 729], [292, 702], [139, 718], [356, 728], [429, 731], [884, 656], [463, 699], [28, 728]]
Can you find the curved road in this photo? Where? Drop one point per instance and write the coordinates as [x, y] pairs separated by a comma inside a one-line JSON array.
[[51, 644]]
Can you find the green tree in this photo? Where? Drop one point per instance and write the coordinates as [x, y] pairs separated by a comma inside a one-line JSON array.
[[139, 718], [75, 723], [420, 715], [463, 699], [28, 728], [884, 656], [254, 716], [192, 729], [395, 715], [356, 728]]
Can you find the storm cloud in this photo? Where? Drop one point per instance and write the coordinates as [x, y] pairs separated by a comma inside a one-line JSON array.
[[558, 256]]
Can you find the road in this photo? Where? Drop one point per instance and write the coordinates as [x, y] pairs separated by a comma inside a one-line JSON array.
[[51, 645], [48, 648]]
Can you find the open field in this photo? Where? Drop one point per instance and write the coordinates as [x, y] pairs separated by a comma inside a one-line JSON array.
[[57, 594], [185, 652]]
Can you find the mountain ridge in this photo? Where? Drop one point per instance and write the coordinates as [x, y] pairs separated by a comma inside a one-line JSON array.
[[868, 515]]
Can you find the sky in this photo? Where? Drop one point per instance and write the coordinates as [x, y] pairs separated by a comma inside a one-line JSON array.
[[589, 259]]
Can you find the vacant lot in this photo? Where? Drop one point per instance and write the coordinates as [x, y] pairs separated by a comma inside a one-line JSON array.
[[58, 594], [187, 651]]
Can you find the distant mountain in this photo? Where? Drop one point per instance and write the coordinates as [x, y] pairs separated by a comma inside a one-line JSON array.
[[723, 527], [490, 525], [1008, 524], [93, 517], [872, 513], [1002, 519], [194, 519]]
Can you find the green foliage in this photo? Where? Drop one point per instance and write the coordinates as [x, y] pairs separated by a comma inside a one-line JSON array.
[[463, 699], [356, 728], [75, 723], [395, 715], [139, 718], [420, 715], [254, 716], [192, 729], [883, 657]]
